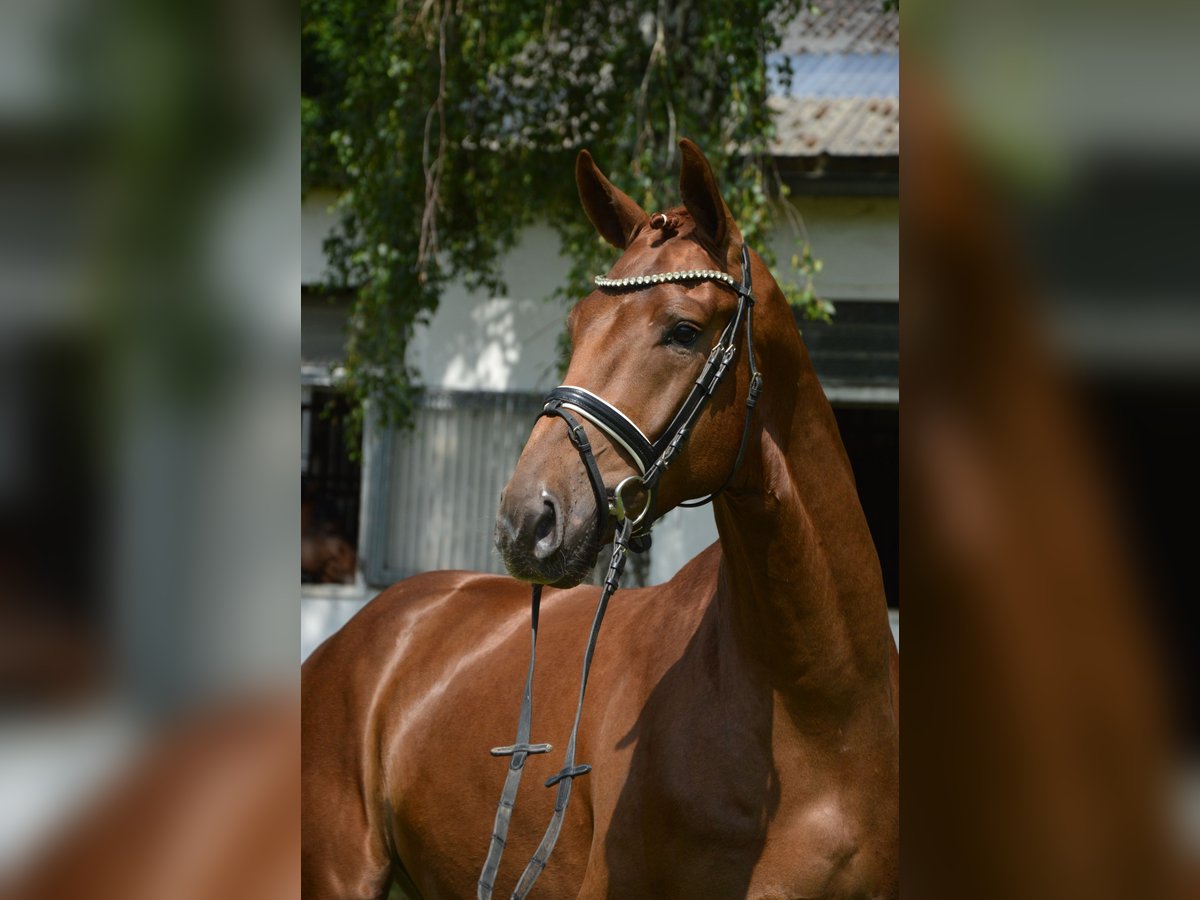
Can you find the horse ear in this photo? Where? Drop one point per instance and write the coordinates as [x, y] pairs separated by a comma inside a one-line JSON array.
[[702, 198], [611, 211]]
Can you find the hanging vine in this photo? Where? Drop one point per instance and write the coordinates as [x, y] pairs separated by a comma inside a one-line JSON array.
[[447, 126]]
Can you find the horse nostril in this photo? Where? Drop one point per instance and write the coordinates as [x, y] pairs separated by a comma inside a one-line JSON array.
[[545, 523], [547, 530]]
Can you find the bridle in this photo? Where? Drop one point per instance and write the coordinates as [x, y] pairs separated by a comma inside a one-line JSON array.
[[653, 458], [632, 531]]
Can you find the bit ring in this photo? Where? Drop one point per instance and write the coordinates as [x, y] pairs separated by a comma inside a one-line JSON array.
[[617, 507]]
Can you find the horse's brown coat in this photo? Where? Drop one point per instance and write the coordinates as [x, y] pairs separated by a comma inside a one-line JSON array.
[[741, 719]]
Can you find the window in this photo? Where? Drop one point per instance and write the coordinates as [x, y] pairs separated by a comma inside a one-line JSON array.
[[330, 487]]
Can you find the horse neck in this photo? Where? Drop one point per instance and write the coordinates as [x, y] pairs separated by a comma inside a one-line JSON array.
[[800, 585]]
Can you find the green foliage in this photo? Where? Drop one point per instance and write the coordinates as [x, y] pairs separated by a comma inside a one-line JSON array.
[[449, 125]]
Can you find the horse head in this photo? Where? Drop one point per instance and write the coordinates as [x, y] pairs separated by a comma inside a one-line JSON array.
[[639, 343]]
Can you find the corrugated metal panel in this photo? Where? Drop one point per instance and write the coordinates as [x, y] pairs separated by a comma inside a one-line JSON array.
[[843, 100], [441, 483], [446, 477], [844, 26], [856, 126]]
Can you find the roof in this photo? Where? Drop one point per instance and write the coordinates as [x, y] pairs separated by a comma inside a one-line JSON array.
[[844, 95], [847, 126], [844, 26]]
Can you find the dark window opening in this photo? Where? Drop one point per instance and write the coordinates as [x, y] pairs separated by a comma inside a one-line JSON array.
[[872, 440], [54, 516], [1146, 432], [330, 488]]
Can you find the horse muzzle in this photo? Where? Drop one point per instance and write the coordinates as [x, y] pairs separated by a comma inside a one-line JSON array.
[[544, 539]]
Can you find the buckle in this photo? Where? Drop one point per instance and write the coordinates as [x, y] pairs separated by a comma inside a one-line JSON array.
[[578, 436]]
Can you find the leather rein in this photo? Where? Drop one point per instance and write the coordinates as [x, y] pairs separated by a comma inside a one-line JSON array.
[[632, 533]]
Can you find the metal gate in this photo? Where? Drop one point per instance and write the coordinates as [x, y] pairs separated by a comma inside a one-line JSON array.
[[433, 490]]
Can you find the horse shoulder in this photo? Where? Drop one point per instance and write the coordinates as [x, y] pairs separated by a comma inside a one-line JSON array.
[[364, 691]]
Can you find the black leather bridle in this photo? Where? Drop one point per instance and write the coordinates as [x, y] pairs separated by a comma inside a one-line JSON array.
[[632, 532]]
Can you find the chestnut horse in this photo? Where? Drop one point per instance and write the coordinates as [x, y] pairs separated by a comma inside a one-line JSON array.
[[741, 719]]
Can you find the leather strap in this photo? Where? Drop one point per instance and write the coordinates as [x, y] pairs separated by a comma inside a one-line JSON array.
[[578, 437], [519, 751], [566, 776]]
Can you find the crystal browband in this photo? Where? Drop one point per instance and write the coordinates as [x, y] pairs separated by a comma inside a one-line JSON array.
[[685, 275]]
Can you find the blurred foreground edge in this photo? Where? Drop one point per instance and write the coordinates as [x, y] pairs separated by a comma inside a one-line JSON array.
[[1037, 755], [211, 810]]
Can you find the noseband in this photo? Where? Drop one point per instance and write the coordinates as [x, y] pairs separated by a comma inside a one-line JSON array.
[[633, 532]]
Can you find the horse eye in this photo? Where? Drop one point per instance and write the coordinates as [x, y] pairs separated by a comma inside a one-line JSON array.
[[684, 334]]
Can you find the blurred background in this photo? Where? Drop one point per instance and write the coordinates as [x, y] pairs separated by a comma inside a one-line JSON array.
[[1052, 384], [149, 265], [152, 248]]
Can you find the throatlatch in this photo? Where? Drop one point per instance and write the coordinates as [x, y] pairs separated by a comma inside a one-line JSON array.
[[632, 533]]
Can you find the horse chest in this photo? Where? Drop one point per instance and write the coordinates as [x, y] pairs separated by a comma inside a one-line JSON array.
[[721, 784], [731, 839], [718, 803]]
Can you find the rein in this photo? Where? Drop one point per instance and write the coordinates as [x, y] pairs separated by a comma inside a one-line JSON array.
[[652, 460]]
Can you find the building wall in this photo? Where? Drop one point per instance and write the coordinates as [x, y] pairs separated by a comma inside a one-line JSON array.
[[317, 220], [509, 343], [477, 343], [856, 238]]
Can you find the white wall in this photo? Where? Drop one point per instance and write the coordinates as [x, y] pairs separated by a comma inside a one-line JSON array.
[[678, 536], [326, 608], [317, 221], [476, 342], [857, 240]]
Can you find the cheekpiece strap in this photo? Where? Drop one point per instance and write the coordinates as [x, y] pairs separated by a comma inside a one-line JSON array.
[[578, 437]]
